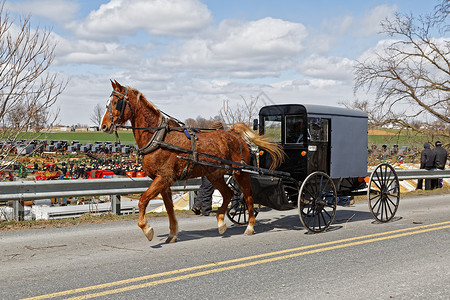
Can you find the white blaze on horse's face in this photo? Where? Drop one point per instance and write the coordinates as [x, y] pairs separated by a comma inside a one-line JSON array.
[[107, 127]]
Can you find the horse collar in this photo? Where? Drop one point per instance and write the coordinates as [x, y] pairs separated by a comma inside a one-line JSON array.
[[156, 138]]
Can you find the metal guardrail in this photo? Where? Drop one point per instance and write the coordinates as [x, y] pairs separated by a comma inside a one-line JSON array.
[[20, 191], [32, 190], [407, 174]]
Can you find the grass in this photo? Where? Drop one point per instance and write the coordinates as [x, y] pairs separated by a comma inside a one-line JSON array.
[[401, 140]]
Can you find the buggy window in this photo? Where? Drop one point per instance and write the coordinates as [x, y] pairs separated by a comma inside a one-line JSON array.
[[294, 129], [272, 128], [318, 129]]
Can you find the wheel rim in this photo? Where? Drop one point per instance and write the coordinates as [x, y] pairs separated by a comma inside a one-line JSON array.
[[317, 202], [383, 193]]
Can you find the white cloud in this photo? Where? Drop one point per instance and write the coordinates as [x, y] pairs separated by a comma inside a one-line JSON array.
[[262, 38], [322, 43], [119, 18], [97, 53], [56, 10], [240, 49], [339, 25], [335, 68], [370, 24]]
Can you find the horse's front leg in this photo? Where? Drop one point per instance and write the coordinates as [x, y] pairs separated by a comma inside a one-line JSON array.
[[154, 189], [173, 223]]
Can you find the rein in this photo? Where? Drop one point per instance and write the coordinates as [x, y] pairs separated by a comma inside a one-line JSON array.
[[171, 128]]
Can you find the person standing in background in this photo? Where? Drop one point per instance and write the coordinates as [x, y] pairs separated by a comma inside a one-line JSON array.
[[440, 161], [427, 160]]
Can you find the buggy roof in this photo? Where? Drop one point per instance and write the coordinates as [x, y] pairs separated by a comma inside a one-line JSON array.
[[291, 109]]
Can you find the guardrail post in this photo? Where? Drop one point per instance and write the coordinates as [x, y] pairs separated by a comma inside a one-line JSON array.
[[19, 210], [115, 204], [191, 199]]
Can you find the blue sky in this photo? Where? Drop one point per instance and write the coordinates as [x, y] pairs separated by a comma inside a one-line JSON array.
[[187, 56]]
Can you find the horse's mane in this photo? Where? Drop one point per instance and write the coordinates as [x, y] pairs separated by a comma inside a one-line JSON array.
[[141, 100]]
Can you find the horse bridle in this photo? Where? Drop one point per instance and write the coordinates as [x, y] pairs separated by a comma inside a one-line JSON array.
[[122, 101]]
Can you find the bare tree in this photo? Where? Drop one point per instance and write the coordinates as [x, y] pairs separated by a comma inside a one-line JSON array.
[[244, 112], [190, 122], [202, 122], [410, 75], [97, 114], [28, 90]]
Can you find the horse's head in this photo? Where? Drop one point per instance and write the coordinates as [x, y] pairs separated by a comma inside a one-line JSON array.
[[118, 109]]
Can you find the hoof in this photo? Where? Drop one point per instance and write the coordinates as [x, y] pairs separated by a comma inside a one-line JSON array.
[[171, 239], [249, 231], [148, 231], [222, 228]]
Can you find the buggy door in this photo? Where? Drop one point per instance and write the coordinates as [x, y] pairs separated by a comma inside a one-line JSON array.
[[318, 145]]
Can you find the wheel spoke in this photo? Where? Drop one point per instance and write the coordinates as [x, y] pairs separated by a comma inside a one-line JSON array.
[[388, 206], [378, 179], [377, 202], [378, 185], [383, 209], [375, 196], [318, 219], [310, 193], [329, 216]]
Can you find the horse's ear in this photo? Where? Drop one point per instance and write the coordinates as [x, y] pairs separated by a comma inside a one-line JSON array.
[[118, 86], [113, 84]]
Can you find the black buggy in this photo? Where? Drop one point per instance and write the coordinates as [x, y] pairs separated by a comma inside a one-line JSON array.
[[326, 163]]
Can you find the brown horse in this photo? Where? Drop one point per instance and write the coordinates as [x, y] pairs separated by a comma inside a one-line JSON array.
[[172, 152]]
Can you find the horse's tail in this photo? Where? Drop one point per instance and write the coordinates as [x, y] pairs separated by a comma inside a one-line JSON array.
[[274, 150]]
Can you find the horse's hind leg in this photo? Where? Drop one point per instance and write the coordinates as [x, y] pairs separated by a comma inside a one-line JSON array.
[[173, 223], [243, 180], [220, 184], [157, 185]]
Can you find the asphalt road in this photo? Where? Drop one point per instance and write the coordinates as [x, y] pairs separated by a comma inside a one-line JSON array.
[[408, 258]]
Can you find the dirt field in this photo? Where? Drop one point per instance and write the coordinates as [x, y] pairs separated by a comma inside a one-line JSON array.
[[379, 132]]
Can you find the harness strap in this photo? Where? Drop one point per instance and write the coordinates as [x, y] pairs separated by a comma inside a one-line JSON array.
[[193, 156], [156, 138]]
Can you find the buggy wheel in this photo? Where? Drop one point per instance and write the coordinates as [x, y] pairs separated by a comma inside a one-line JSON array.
[[237, 212], [383, 193], [317, 202]]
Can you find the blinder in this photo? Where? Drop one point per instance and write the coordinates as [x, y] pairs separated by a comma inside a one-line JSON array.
[[119, 104], [122, 101]]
